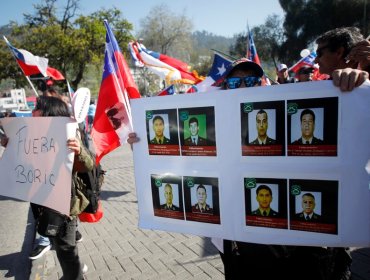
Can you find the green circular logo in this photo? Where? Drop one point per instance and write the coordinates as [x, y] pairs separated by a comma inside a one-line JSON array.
[[247, 107], [184, 115], [158, 183], [295, 190], [149, 115], [250, 183]]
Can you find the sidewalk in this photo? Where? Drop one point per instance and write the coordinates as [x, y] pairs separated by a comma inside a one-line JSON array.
[[115, 248]]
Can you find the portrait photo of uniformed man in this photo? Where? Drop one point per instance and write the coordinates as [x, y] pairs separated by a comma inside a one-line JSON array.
[[169, 199], [307, 128], [262, 125], [201, 205], [159, 129], [194, 139], [308, 204], [264, 198]]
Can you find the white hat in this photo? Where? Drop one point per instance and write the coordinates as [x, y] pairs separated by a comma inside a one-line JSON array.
[[281, 67]]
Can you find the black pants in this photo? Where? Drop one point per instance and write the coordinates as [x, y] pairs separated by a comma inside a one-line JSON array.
[[258, 261], [67, 252]]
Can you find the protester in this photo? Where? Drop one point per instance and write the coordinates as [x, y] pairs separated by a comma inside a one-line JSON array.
[[283, 75], [333, 49], [65, 241], [305, 74], [91, 115]]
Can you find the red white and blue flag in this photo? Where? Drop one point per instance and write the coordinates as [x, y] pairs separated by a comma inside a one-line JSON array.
[[252, 51], [309, 61], [170, 69], [112, 121], [305, 61], [32, 64], [252, 55], [29, 63], [219, 66], [167, 91]]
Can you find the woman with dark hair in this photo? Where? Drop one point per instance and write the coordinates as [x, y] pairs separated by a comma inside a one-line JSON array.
[[65, 240]]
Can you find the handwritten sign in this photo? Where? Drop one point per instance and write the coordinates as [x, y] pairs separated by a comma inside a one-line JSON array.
[[36, 165]]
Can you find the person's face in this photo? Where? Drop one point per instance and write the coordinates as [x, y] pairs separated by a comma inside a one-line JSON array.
[[307, 126], [282, 74], [168, 195], [158, 127], [241, 73], [193, 127], [328, 61], [308, 204], [305, 77], [261, 124], [36, 113], [202, 196], [264, 199]]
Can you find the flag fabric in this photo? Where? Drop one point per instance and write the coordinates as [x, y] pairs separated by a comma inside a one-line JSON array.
[[167, 91], [253, 56], [309, 61], [112, 121], [54, 73], [32, 64], [219, 66], [170, 69], [29, 63], [252, 51]]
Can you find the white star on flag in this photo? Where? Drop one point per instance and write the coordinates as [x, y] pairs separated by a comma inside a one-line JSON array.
[[221, 69]]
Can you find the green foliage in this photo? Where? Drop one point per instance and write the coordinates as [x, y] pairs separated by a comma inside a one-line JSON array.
[[305, 20], [71, 46]]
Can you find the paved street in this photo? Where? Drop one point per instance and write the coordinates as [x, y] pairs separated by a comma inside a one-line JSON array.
[[115, 248]]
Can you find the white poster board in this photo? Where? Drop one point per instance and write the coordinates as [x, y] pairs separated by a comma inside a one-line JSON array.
[[36, 165], [332, 170]]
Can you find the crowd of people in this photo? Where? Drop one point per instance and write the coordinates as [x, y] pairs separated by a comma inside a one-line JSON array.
[[344, 55]]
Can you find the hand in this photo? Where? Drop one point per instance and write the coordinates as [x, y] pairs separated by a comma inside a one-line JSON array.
[[74, 145], [347, 79], [4, 141], [361, 54], [132, 138]]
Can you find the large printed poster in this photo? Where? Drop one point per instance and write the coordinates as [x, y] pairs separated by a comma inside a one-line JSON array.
[[273, 165]]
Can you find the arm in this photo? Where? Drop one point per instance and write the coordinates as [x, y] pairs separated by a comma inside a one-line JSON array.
[[83, 161]]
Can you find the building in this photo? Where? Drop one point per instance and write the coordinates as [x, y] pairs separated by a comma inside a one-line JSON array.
[[15, 100]]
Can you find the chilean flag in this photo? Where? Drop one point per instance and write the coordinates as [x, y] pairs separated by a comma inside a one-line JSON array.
[[168, 68], [309, 61], [167, 91], [112, 121], [29, 63], [252, 51], [33, 65]]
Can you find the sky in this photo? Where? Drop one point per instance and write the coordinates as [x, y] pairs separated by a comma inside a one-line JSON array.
[[220, 17]]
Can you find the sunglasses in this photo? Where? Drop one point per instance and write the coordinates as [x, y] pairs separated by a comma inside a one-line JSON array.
[[319, 51], [236, 82]]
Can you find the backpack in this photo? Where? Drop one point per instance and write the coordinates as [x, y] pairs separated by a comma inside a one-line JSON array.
[[93, 181]]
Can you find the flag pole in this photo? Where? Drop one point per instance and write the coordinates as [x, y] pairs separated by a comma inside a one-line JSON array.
[[28, 79], [229, 56]]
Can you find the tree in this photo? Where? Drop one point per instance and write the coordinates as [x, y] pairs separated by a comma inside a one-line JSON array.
[[305, 20], [267, 38], [71, 47], [165, 32]]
